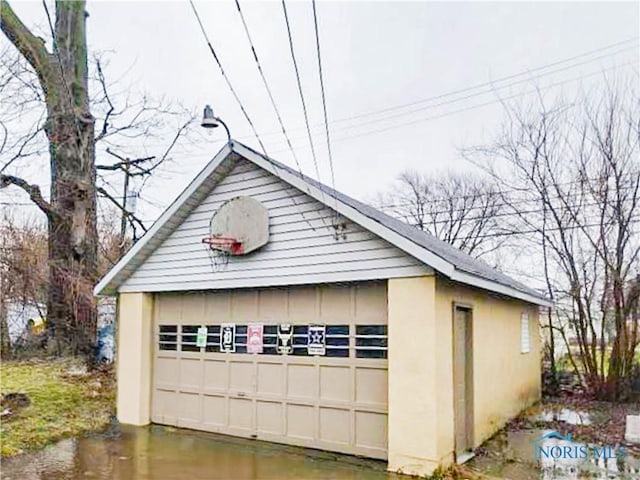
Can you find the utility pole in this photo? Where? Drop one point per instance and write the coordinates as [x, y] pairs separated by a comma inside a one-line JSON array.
[[124, 165]]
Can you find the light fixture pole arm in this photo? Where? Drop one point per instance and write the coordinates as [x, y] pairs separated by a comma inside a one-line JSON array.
[[226, 129]]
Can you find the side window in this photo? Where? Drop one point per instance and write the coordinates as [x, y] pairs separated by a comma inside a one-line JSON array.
[[525, 334]]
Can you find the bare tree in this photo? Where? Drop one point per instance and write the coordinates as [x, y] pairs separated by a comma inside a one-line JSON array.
[[49, 91], [572, 178], [461, 209]]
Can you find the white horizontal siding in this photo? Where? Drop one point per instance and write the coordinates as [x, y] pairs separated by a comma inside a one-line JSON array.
[[302, 248]]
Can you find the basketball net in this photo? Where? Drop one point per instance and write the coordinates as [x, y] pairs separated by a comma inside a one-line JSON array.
[[219, 249], [219, 259]]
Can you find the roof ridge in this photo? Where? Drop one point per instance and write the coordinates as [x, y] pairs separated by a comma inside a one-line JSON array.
[[460, 260]]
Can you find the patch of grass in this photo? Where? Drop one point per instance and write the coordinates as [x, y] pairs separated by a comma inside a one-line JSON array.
[[454, 472], [62, 404]]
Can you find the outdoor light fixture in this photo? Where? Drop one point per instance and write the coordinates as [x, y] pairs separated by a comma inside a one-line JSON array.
[[209, 120]]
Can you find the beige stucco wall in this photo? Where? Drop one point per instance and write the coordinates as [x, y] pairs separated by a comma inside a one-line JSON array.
[[135, 315], [414, 372], [421, 411], [505, 381]]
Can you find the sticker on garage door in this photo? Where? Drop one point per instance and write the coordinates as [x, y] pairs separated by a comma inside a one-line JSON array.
[[228, 337], [285, 332], [316, 340], [254, 337], [201, 338]]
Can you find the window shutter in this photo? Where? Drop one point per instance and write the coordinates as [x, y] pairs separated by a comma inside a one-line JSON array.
[[525, 336]]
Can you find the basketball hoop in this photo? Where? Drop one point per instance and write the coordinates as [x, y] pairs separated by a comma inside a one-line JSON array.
[[231, 245], [240, 226], [220, 248]]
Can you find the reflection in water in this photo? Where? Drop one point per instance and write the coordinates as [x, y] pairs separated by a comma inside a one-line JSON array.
[[522, 465], [159, 453], [566, 415], [166, 454]]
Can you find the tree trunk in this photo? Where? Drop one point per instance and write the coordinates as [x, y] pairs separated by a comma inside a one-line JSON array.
[[71, 210], [72, 237]]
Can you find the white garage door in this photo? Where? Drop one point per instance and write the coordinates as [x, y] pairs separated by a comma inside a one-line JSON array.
[[335, 402]]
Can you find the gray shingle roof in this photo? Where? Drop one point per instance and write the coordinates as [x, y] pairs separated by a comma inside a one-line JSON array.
[[451, 262], [460, 260]]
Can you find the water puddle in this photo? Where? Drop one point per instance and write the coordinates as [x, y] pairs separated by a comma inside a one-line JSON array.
[[546, 455], [566, 415], [166, 454], [163, 453]]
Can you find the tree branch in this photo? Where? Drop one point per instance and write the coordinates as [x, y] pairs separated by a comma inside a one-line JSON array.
[[130, 216], [31, 47], [103, 84], [33, 190], [124, 162]]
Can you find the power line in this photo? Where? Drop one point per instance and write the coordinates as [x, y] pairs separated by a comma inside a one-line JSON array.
[[498, 204], [634, 219], [324, 102], [516, 213], [493, 90], [266, 86], [490, 83], [275, 107], [508, 77], [226, 78], [300, 91], [472, 95], [471, 107], [505, 191]]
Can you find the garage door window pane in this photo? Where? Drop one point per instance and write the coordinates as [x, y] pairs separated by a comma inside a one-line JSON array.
[[269, 340], [337, 341], [168, 337], [213, 338], [299, 340], [335, 330], [371, 341], [188, 339]]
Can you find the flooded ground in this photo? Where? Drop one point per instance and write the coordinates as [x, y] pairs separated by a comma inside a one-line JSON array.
[[545, 454], [164, 453], [159, 453]]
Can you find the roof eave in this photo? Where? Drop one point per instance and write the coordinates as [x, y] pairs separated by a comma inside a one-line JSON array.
[[109, 283], [479, 282]]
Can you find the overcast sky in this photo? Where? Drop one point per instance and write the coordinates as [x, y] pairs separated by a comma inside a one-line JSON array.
[[376, 56]]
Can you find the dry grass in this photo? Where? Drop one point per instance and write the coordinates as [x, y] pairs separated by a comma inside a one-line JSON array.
[[62, 404]]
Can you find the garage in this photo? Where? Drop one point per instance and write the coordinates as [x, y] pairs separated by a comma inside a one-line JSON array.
[[337, 401], [265, 305]]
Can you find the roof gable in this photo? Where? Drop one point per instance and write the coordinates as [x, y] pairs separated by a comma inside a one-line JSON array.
[[431, 251], [303, 246]]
